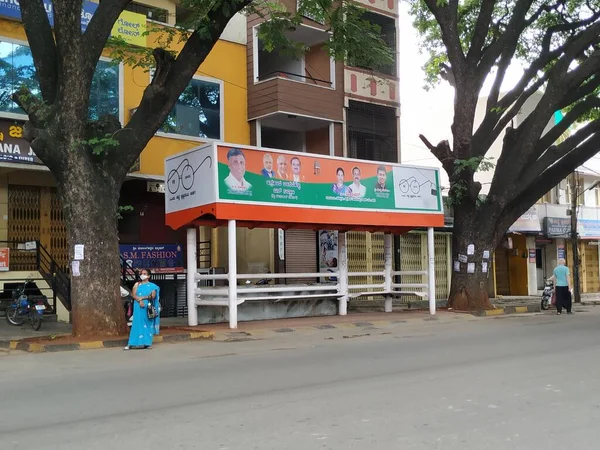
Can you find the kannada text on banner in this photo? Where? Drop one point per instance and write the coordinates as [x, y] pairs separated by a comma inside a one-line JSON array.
[[274, 177]]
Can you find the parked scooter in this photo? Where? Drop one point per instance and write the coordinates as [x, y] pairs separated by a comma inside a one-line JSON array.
[[548, 296], [26, 307]]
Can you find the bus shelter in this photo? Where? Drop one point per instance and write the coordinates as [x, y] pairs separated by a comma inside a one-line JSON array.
[[238, 186]]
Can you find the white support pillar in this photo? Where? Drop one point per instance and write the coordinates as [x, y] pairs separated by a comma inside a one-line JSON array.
[[388, 241], [431, 271], [232, 274], [343, 273], [191, 285]]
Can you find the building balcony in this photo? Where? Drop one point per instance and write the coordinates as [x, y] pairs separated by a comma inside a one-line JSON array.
[[299, 134], [288, 96], [309, 84]]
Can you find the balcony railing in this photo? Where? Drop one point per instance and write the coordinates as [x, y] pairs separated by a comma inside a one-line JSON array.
[[291, 75]]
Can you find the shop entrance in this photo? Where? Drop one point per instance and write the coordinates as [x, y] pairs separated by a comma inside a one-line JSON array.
[[35, 213]]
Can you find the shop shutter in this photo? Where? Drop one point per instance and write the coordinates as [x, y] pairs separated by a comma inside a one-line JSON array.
[[300, 254], [592, 280], [442, 263]]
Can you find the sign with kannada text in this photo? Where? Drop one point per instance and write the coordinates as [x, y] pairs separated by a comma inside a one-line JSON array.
[[13, 147], [528, 222], [129, 26], [309, 180], [157, 258], [11, 9]]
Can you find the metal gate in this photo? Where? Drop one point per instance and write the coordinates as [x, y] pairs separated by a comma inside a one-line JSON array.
[[365, 254], [35, 214], [591, 274]]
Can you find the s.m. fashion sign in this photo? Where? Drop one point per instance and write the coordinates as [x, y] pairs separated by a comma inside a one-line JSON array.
[[13, 147]]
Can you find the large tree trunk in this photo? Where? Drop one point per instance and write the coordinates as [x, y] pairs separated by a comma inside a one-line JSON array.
[[469, 291], [90, 201]]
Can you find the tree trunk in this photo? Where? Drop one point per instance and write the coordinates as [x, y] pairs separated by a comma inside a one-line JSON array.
[[90, 200], [469, 286]]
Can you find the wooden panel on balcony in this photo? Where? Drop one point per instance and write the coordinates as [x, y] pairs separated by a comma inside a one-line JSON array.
[[294, 97]]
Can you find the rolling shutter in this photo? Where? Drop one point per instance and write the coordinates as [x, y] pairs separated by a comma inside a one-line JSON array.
[[300, 254]]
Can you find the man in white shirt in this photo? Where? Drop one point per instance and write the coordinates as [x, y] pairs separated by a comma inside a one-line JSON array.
[[237, 168], [296, 167], [358, 190]]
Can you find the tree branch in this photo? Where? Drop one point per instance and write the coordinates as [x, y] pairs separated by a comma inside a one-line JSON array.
[[442, 152], [98, 31], [446, 16], [559, 129], [171, 78], [482, 27], [43, 48], [538, 186]]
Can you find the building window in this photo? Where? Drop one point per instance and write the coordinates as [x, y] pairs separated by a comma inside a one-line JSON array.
[[152, 13], [104, 95], [372, 132], [17, 69], [197, 112], [388, 35]]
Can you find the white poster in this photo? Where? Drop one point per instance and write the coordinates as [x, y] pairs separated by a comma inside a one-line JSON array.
[[484, 267], [470, 250], [79, 252], [457, 266], [190, 179], [328, 251], [471, 268], [75, 268], [486, 254], [417, 188], [462, 258]]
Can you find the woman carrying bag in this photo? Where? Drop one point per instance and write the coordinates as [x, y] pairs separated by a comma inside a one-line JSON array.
[[146, 313]]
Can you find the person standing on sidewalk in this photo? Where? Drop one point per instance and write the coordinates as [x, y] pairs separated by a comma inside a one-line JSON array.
[[146, 320], [562, 281]]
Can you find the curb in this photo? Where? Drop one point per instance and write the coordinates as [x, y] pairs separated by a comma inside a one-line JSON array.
[[34, 347], [508, 310]]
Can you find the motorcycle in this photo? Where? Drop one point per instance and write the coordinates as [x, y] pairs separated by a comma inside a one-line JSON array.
[[26, 307], [548, 295]]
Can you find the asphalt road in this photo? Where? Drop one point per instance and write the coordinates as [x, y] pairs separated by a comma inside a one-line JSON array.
[[528, 382]]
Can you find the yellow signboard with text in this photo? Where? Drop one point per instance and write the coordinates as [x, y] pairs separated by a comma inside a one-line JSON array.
[[131, 27]]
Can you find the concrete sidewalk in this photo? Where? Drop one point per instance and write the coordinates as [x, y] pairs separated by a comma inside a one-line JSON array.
[[176, 329]]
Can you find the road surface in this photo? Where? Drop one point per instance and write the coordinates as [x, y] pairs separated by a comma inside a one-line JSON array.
[[529, 382]]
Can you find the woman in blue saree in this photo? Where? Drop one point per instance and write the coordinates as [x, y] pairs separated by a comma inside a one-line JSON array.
[[143, 328]]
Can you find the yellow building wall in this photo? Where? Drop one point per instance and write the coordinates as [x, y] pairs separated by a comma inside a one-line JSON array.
[[226, 62]]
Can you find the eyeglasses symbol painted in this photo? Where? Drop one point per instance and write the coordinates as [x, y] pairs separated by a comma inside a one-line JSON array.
[[411, 184], [184, 176]]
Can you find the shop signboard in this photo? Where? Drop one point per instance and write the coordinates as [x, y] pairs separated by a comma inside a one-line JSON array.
[[159, 258], [13, 147], [129, 26], [588, 229], [557, 227], [528, 222]]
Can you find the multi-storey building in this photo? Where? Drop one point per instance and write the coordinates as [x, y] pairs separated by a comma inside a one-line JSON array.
[[213, 108]]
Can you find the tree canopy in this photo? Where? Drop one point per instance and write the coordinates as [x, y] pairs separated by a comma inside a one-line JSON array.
[[559, 45]]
